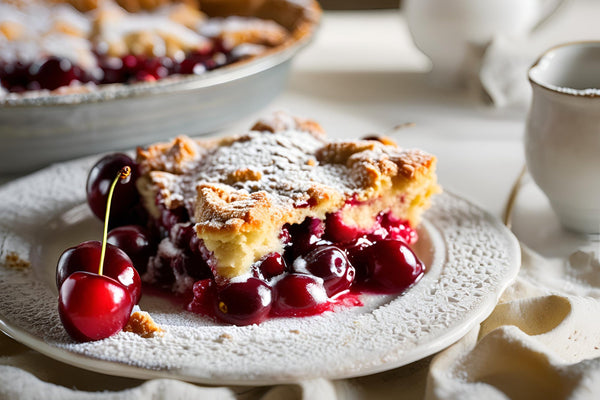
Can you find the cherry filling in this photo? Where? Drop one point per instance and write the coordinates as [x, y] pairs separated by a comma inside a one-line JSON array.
[[324, 264], [56, 72]]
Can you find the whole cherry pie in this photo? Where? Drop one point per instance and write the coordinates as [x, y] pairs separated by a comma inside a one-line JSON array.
[[278, 221], [69, 46]]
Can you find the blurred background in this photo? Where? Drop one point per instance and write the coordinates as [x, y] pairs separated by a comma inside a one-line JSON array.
[[358, 4]]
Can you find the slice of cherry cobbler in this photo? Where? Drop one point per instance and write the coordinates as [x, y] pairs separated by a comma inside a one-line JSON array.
[[281, 221]]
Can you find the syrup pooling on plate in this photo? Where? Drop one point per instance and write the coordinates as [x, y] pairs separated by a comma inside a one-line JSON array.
[[280, 221], [47, 46]]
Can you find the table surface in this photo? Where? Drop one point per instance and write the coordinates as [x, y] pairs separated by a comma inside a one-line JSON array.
[[362, 75]]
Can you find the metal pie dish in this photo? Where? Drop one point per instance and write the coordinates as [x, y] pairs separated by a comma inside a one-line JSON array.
[[40, 129]]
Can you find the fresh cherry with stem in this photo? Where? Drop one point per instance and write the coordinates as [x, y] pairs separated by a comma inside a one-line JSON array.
[[93, 306], [99, 182]]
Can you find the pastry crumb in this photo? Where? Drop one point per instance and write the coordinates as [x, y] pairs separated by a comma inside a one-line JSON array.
[[14, 261], [142, 324], [223, 337], [296, 331]]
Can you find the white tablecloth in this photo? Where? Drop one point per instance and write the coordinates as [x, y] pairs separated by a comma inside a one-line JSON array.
[[363, 75]]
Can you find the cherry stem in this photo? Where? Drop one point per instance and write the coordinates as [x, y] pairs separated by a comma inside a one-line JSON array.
[[123, 174]]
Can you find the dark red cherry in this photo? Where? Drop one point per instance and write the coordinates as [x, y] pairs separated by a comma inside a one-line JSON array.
[[299, 295], [205, 293], [244, 303], [86, 257], [156, 68], [170, 217], [337, 231], [98, 184], [136, 242], [182, 234], [92, 306], [54, 73], [304, 237], [191, 66], [190, 264], [391, 266], [271, 265], [113, 70], [331, 264], [133, 63], [355, 252]]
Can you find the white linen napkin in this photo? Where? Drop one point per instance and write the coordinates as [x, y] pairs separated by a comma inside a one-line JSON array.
[[542, 341]]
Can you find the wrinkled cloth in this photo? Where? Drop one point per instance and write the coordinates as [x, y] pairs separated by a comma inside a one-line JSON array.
[[542, 341]]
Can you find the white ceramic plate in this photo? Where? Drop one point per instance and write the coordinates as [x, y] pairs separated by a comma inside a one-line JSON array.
[[471, 258]]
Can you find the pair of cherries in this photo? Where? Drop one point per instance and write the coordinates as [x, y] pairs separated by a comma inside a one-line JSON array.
[[97, 281]]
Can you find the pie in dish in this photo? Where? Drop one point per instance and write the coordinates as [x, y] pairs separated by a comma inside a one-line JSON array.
[[281, 221], [71, 46]]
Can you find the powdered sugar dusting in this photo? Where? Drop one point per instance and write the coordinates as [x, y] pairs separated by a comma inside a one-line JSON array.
[[472, 258], [285, 160], [283, 164]]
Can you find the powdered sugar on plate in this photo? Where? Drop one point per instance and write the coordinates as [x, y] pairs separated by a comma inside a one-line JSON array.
[[471, 258]]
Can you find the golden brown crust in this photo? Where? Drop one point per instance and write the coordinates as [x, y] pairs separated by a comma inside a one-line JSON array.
[[280, 121], [271, 37], [128, 5], [170, 157], [11, 30], [220, 208]]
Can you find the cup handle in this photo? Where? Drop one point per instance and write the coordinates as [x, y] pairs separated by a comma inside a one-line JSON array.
[[547, 9]]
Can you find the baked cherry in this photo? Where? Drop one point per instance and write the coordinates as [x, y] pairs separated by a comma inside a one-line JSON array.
[[86, 257], [391, 266], [191, 260], [98, 184], [92, 306], [205, 293], [271, 265], [331, 264], [136, 242], [299, 295], [54, 73], [355, 252], [304, 237], [244, 303], [183, 235], [337, 231]]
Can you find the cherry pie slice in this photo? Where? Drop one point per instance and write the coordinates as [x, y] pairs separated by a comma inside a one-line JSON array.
[[281, 221]]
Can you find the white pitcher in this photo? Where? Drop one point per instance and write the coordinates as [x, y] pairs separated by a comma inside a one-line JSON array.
[[453, 32], [562, 138]]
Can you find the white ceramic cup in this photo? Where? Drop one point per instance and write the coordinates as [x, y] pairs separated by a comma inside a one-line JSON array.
[[562, 139], [453, 33]]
